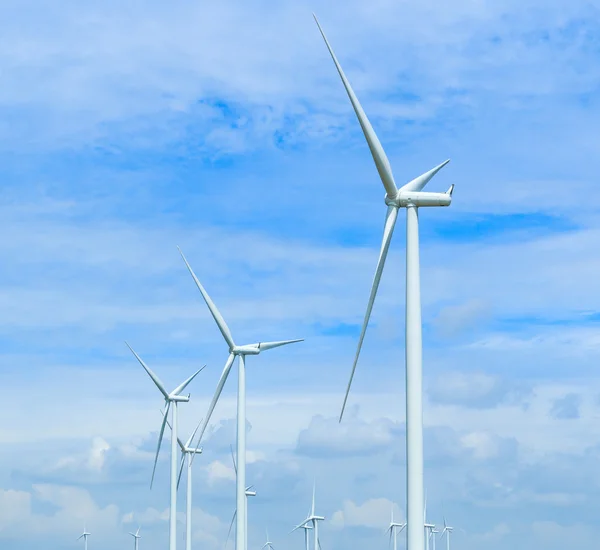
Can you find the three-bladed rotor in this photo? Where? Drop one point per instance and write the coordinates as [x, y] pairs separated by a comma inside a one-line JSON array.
[[234, 349], [407, 196], [171, 397]]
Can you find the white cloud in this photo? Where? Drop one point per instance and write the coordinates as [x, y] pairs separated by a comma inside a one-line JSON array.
[[328, 437], [373, 513], [217, 471]]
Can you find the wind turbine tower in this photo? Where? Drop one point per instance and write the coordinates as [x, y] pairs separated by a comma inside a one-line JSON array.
[[410, 197], [240, 352], [187, 451]]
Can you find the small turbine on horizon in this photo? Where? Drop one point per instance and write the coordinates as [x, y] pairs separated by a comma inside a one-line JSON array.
[[84, 536], [136, 536], [447, 529], [170, 398], [240, 352], [249, 493], [314, 519], [410, 197], [268, 545], [394, 528]]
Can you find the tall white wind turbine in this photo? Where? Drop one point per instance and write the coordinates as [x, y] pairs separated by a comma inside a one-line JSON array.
[[447, 530], [394, 528], [136, 536], [187, 451], [314, 519], [84, 536], [170, 398], [240, 352], [410, 196]]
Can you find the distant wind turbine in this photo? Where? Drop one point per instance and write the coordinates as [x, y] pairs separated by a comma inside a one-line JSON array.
[[240, 352], [136, 536], [84, 536], [268, 545], [429, 527], [174, 397], [249, 493], [447, 530], [189, 452], [312, 517], [410, 196], [395, 528]]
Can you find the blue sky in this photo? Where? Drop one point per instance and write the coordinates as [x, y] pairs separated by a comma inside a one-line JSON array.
[[128, 128]]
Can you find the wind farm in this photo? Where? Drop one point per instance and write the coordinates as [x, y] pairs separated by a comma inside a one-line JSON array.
[[245, 216]]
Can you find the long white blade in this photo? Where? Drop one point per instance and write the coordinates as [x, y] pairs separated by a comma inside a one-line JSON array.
[[388, 231], [189, 441], [230, 527], [160, 436], [313, 498], [234, 464], [264, 346], [180, 469], [213, 308], [155, 378], [418, 183], [379, 156], [215, 398], [184, 385]]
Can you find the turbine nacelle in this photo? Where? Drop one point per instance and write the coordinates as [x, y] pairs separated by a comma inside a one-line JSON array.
[[420, 199], [180, 398]]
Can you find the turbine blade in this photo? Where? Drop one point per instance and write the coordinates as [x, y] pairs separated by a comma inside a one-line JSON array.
[[313, 498], [180, 469], [160, 436], [234, 464], [418, 183], [388, 231], [183, 385], [381, 161], [213, 308], [189, 441], [230, 526], [264, 346], [215, 398], [155, 378]]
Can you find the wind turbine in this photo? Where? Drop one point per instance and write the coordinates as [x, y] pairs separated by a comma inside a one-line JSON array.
[[174, 397], [447, 529], [433, 533], [189, 452], [84, 535], [312, 517], [136, 536], [410, 196], [428, 526], [307, 527], [249, 493], [268, 545], [240, 352], [395, 528]]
